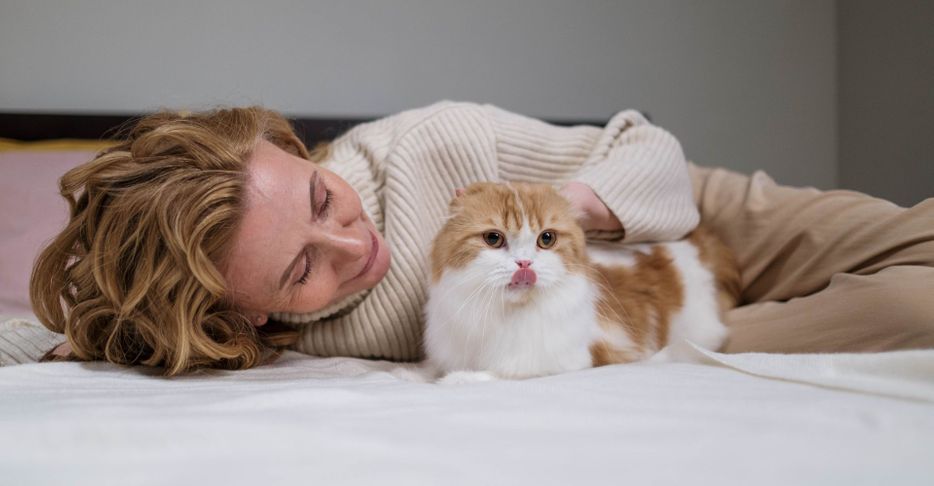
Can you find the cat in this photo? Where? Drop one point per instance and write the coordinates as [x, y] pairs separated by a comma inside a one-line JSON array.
[[517, 292]]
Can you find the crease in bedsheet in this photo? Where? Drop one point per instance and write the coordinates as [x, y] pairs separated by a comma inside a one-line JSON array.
[[898, 374]]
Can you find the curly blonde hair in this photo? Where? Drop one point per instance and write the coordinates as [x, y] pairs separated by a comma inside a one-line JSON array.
[[134, 277]]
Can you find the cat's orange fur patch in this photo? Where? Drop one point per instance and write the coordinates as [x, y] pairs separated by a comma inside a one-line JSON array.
[[715, 255], [640, 300]]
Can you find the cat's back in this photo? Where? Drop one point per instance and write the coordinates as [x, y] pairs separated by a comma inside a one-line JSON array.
[[701, 251], [662, 292], [717, 258]]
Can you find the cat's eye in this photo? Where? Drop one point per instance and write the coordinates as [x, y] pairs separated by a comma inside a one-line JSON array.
[[494, 239], [547, 239]]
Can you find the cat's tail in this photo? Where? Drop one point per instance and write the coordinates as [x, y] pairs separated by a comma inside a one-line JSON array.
[[718, 258]]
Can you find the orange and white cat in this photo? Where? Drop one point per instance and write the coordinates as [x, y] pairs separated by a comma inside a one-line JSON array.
[[517, 292]]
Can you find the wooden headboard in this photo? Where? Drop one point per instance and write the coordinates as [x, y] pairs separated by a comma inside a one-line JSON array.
[[23, 126], [29, 126]]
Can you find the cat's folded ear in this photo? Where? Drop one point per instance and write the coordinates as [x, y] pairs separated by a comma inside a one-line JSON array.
[[455, 202], [470, 190]]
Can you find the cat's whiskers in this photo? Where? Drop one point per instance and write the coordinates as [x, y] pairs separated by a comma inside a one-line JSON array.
[[476, 291], [477, 310], [469, 280], [496, 288], [606, 290], [486, 317], [502, 303]]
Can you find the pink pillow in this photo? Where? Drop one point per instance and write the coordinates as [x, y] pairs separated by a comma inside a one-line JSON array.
[[31, 214]]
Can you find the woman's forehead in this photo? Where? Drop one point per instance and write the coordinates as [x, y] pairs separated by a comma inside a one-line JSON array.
[[270, 230], [274, 173]]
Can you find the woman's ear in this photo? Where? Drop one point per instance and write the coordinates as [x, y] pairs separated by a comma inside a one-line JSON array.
[[258, 320], [458, 192]]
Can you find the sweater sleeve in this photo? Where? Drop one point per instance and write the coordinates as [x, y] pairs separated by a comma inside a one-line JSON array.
[[637, 169], [23, 341]]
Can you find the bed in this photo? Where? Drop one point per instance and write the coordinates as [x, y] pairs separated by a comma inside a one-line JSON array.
[[712, 418]]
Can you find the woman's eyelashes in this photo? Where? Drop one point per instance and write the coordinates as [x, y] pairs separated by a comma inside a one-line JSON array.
[[304, 278], [320, 197], [323, 208]]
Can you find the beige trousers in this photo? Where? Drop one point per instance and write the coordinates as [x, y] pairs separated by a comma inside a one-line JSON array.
[[822, 271]]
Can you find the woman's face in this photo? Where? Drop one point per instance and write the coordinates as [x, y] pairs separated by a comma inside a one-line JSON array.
[[304, 242]]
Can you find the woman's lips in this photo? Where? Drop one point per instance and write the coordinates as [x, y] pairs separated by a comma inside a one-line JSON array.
[[374, 250]]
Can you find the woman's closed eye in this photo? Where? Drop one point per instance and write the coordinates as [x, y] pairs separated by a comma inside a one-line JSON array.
[[326, 204], [320, 197], [304, 278]]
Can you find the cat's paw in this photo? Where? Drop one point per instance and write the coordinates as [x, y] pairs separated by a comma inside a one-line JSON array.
[[414, 373], [464, 377], [665, 355]]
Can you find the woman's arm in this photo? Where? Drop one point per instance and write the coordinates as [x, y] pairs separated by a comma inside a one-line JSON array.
[[635, 169], [628, 178], [25, 341], [595, 216]]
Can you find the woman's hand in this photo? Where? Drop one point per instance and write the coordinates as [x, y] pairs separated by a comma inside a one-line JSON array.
[[593, 214], [62, 352]]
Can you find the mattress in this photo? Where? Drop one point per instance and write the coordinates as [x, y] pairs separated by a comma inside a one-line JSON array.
[[714, 419]]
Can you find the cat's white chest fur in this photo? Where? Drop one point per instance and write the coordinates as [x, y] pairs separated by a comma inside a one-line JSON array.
[[481, 331]]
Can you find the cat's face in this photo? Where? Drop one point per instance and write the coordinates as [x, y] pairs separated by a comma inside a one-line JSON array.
[[518, 239]]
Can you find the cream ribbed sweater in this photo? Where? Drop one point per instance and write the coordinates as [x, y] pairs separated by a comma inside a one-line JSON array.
[[407, 166]]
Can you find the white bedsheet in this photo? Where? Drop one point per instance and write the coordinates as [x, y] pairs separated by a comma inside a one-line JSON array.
[[741, 419]]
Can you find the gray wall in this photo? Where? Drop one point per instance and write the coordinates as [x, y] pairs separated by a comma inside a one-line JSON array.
[[887, 98], [744, 84]]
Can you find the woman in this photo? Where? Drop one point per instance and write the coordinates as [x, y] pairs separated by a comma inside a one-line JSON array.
[[185, 240]]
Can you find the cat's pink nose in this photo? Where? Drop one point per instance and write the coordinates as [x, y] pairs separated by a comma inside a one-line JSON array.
[[524, 263]]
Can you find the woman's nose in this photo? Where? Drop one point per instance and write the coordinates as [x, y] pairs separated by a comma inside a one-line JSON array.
[[346, 243]]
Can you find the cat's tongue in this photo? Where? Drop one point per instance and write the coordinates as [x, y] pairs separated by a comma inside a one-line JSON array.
[[524, 277]]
